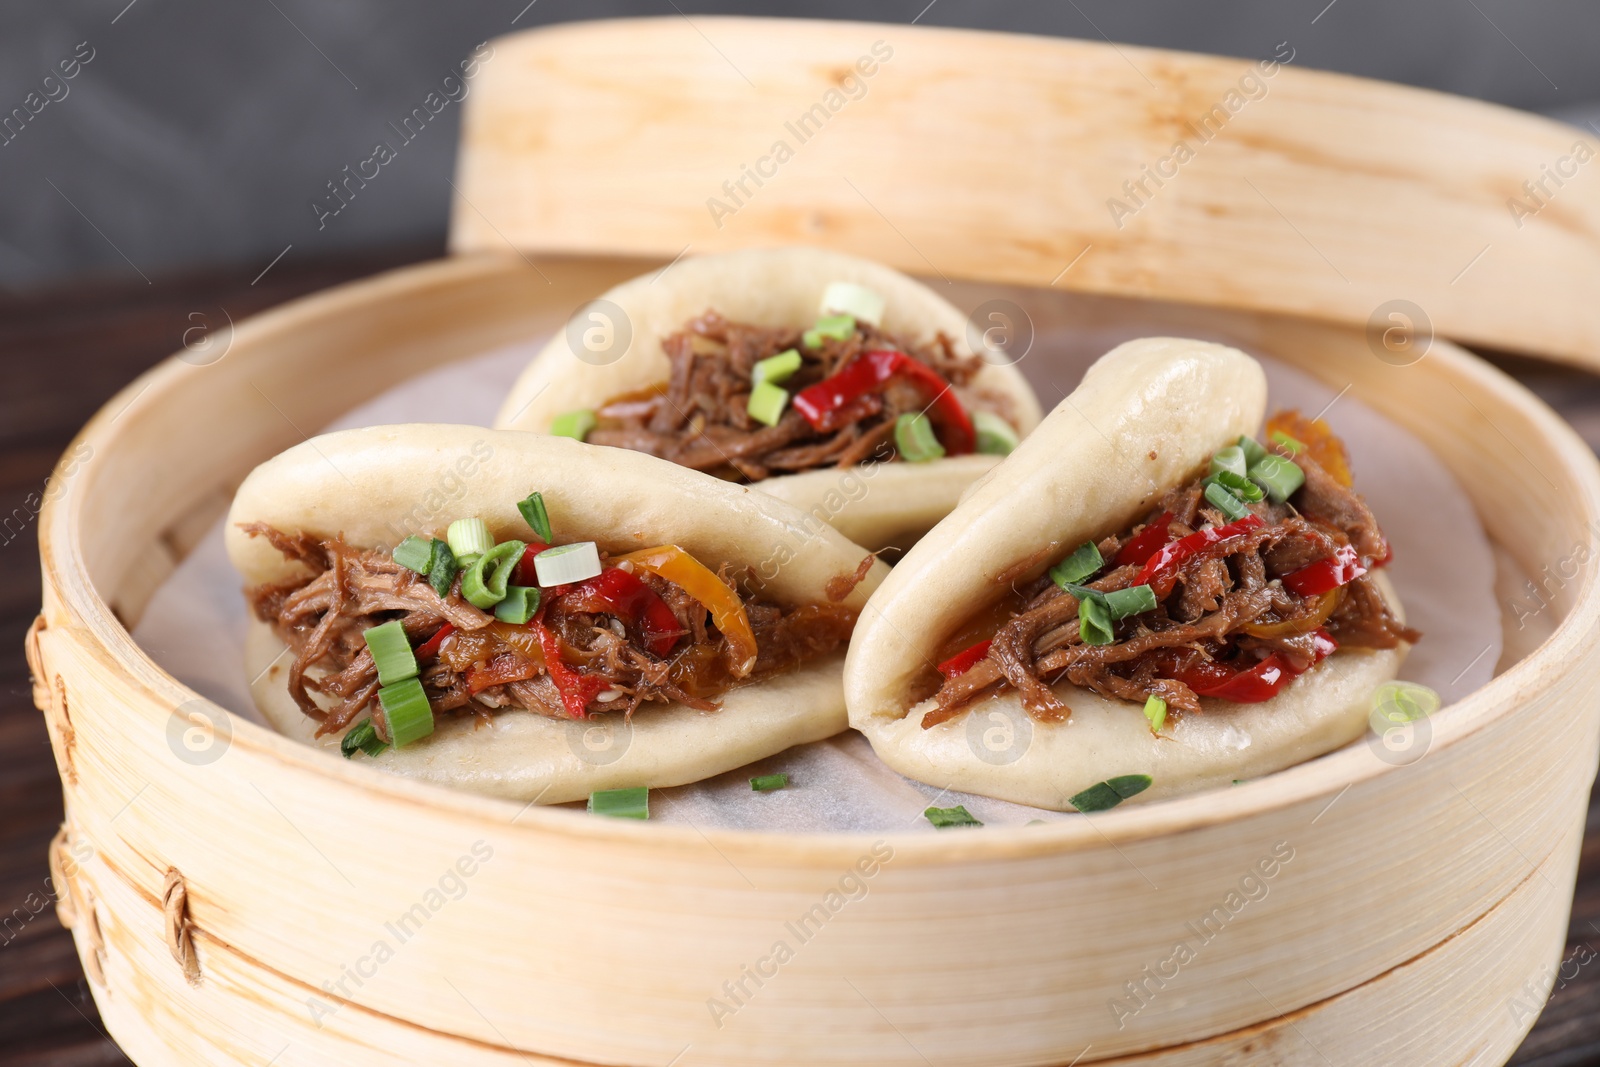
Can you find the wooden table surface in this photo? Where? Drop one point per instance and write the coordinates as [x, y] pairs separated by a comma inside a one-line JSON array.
[[65, 353]]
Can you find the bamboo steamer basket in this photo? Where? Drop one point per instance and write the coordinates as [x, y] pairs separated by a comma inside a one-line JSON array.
[[229, 906]]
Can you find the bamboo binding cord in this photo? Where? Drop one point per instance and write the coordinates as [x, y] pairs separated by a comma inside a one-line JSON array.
[[30, 651], [180, 931], [66, 912]]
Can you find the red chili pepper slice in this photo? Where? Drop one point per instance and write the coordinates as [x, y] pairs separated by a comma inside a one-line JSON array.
[[862, 407], [525, 574], [826, 403], [576, 689], [1146, 543], [430, 648], [1254, 685], [1261, 681], [1326, 574], [965, 660], [1161, 570], [621, 593], [1325, 644], [1388, 554]]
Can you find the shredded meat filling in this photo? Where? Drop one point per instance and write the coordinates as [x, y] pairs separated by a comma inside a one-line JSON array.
[[699, 418], [485, 665], [1227, 605]]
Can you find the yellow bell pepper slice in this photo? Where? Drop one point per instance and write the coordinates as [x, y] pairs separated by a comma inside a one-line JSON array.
[[693, 577]]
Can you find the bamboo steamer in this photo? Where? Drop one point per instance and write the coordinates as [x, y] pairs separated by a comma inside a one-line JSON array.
[[229, 899]]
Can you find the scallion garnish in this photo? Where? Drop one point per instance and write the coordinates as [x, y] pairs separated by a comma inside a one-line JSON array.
[[621, 803], [1155, 709], [520, 604], [776, 369], [565, 564], [767, 402], [1280, 477], [995, 435], [415, 553], [574, 424], [405, 705], [828, 328], [1131, 601], [848, 298], [391, 652], [1237, 484], [1226, 502], [1230, 459], [1084, 561], [442, 571], [766, 783], [1251, 448], [363, 736], [1294, 446], [1116, 605], [469, 537], [485, 582], [945, 818], [915, 439], [1094, 621], [1108, 794], [534, 514]]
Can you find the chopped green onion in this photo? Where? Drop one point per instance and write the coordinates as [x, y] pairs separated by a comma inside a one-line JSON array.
[[766, 783], [574, 424], [1278, 476], [776, 369], [469, 537], [391, 652], [1131, 601], [1226, 502], [1117, 605], [1403, 702], [1230, 459], [1294, 446], [1251, 448], [534, 514], [1237, 484], [1155, 709], [995, 435], [1084, 561], [767, 402], [848, 298], [621, 803], [829, 328], [485, 583], [565, 564], [415, 553], [1108, 794], [406, 707], [442, 570], [520, 604], [945, 818], [914, 437], [363, 736], [1094, 621]]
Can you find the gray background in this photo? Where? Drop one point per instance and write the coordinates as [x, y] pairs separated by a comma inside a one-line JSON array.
[[200, 132]]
